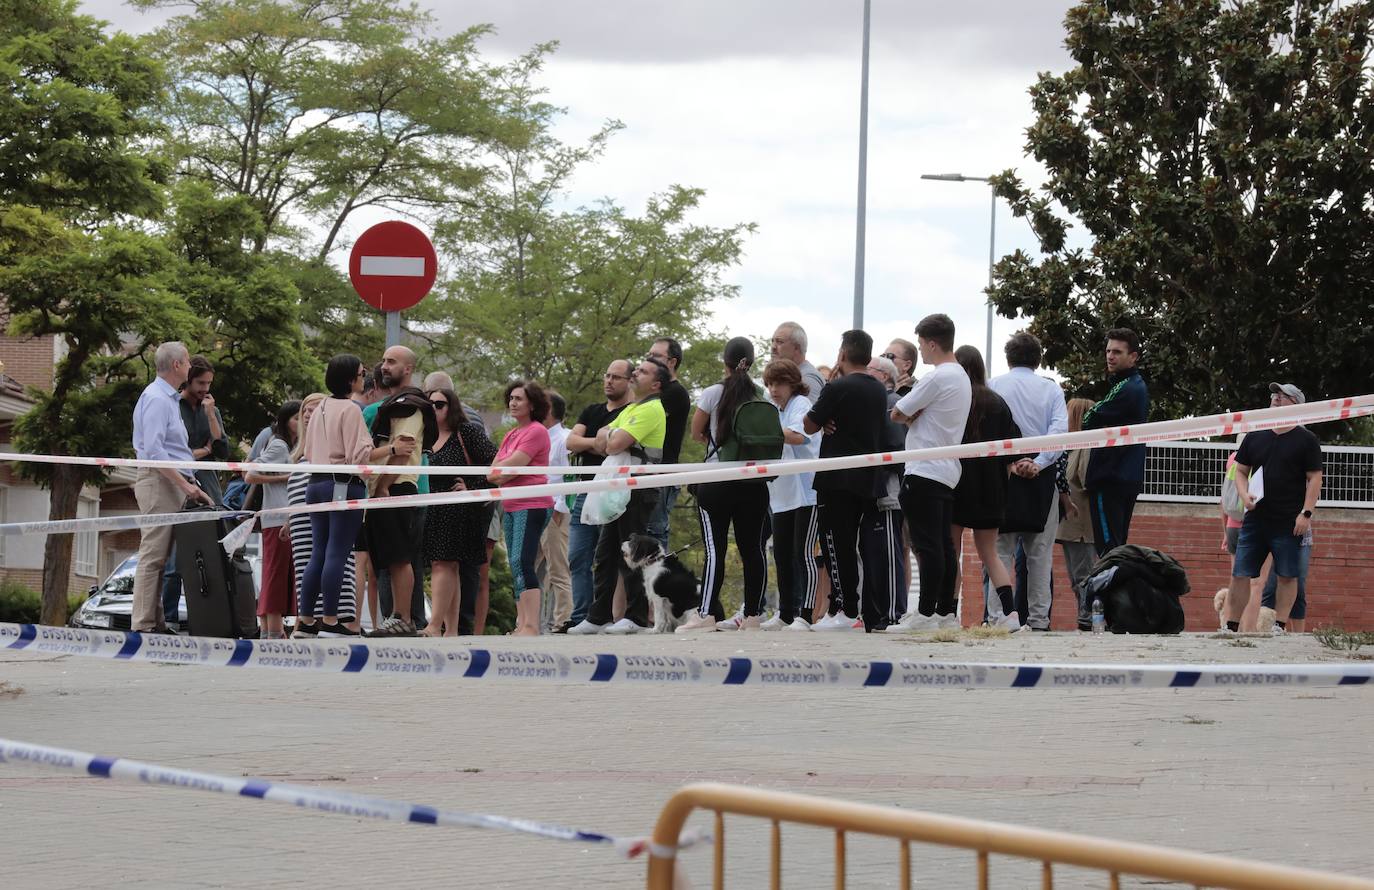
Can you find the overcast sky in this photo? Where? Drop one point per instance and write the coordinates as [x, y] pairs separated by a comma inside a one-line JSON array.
[[757, 102]]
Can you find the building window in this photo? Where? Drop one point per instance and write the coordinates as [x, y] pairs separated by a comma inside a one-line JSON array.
[[87, 547]]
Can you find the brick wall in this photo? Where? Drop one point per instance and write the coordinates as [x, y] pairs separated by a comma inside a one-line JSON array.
[[1339, 582], [28, 360]]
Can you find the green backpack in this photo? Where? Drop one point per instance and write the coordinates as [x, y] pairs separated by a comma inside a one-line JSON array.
[[755, 431]]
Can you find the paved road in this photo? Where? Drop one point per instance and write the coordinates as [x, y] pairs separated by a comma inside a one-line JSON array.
[[1274, 774]]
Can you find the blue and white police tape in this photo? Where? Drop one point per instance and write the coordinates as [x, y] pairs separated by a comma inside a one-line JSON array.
[[404, 658], [687, 474], [16, 753]]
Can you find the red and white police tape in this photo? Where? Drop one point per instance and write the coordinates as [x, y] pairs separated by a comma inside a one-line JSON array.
[[664, 476]]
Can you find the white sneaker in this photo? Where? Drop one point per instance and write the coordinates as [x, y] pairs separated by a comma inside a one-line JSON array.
[[695, 623], [915, 623], [1277, 631], [585, 627], [950, 621], [839, 622], [623, 626], [774, 623], [731, 623], [799, 624], [1010, 622]]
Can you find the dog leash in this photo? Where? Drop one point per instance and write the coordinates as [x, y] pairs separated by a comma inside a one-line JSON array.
[[680, 549]]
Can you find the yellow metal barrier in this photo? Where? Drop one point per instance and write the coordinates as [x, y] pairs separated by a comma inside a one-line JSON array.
[[1047, 847]]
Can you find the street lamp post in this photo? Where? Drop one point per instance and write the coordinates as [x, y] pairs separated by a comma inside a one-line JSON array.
[[862, 210], [992, 241]]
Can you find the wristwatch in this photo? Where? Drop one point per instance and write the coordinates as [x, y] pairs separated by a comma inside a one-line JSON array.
[[1307, 513]]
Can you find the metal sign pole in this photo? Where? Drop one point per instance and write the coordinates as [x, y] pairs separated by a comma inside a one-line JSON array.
[[393, 329]]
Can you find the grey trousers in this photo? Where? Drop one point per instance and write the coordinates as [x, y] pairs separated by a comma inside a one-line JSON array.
[[1079, 557], [1039, 547]]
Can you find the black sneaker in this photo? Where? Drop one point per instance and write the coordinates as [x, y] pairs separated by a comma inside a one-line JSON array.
[[395, 626], [303, 631], [564, 627], [336, 630]]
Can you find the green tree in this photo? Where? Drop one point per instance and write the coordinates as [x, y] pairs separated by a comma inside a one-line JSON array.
[[72, 166], [1218, 156], [253, 330], [556, 294], [314, 110]]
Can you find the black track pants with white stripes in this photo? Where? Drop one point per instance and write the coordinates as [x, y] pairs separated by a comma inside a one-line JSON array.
[[795, 533], [840, 513], [745, 505], [884, 598]]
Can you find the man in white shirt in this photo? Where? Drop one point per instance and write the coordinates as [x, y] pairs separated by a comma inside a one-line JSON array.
[[553, 547], [1037, 405], [936, 411]]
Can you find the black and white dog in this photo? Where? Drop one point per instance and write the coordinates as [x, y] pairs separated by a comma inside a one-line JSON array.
[[670, 585]]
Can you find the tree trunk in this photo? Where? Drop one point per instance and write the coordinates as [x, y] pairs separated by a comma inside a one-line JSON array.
[[57, 550]]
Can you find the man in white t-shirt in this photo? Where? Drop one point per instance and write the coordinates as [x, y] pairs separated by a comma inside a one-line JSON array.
[[936, 411]]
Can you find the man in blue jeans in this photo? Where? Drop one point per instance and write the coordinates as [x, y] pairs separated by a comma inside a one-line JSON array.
[[1279, 478], [582, 452]]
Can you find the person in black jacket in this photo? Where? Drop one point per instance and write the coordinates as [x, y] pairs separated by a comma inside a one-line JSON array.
[[1116, 475]]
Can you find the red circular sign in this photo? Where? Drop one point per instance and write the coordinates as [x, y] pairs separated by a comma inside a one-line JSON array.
[[392, 266]]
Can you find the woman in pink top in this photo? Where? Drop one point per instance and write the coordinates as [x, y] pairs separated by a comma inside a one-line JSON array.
[[527, 445], [337, 434]]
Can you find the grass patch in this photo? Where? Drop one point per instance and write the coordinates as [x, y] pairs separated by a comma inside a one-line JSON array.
[[1341, 640], [987, 633]]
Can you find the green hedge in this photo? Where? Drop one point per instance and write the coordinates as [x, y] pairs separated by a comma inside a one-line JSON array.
[[22, 605]]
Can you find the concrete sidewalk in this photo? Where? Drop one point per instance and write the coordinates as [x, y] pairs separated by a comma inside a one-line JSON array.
[[1273, 774]]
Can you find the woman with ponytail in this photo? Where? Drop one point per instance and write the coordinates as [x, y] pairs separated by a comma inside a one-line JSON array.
[[742, 502]]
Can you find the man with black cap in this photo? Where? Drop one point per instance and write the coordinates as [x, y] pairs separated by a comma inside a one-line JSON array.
[[1279, 478]]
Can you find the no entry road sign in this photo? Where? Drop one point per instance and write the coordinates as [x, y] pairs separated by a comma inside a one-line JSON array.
[[392, 266]]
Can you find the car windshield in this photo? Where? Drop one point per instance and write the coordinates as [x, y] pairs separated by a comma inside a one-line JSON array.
[[121, 580]]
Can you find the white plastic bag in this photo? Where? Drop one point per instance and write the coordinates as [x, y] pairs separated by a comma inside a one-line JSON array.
[[606, 505]]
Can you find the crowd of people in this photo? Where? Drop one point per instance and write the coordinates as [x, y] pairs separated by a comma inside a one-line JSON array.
[[867, 548]]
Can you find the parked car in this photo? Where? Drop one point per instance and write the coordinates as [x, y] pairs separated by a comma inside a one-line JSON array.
[[109, 604]]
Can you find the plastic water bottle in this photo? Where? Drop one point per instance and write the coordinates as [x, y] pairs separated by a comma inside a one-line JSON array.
[[1099, 617]]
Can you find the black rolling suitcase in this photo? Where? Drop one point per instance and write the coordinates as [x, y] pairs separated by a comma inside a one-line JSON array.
[[213, 582]]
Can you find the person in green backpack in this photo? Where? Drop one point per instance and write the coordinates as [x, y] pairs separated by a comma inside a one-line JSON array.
[[735, 420]]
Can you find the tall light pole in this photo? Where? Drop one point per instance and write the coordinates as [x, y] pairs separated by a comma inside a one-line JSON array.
[[863, 179], [992, 241]]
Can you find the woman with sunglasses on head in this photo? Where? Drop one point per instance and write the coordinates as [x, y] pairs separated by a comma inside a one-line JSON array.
[[455, 534]]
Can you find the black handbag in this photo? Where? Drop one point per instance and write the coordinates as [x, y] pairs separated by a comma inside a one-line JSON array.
[[1028, 502]]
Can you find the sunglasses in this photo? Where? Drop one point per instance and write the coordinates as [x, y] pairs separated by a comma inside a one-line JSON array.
[[440, 403], [890, 356]]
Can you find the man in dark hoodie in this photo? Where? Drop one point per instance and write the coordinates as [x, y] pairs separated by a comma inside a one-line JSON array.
[[1116, 475]]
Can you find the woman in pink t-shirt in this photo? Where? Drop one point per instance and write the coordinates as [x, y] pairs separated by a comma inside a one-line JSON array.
[[527, 445]]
